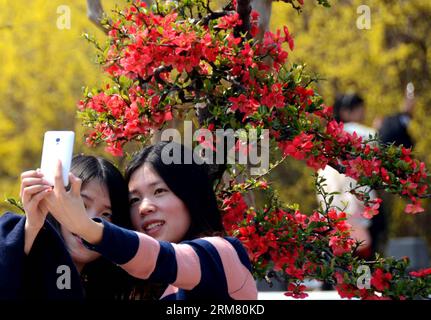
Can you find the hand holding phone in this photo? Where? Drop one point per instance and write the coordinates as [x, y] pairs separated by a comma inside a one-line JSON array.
[[57, 145]]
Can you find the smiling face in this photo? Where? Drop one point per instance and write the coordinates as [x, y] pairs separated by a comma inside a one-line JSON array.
[[98, 204], [155, 209]]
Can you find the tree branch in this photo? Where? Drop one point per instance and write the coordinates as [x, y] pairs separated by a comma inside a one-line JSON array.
[[244, 10], [95, 13]]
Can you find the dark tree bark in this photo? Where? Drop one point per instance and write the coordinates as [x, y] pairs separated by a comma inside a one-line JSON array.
[[244, 10]]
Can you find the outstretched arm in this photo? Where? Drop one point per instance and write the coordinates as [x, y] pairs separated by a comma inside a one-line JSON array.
[[211, 267]]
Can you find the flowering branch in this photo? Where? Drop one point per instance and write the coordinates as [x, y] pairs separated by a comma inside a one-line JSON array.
[[160, 60]]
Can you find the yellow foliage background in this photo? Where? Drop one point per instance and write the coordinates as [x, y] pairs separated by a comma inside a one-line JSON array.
[[43, 69]]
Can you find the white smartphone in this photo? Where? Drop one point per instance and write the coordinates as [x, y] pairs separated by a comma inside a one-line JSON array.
[[57, 145]]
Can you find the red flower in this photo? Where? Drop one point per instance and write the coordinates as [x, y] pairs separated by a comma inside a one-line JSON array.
[[327, 112], [385, 175], [296, 291], [370, 212], [414, 208], [263, 185], [115, 149], [359, 167], [254, 23], [273, 97], [335, 215], [299, 147], [381, 280], [421, 273], [347, 290], [406, 155], [340, 245], [234, 209], [339, 277], [244, 104], [317, 217], [304, 94], [229, 21], [288, 38]]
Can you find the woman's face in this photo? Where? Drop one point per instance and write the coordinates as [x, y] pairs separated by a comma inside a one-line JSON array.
[[98, 204], [355, 115], [155, 209]]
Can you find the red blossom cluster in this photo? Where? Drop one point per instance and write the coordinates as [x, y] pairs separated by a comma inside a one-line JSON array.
[[380, 282], [282, 239], [386, 167], [161, 61], [317, 246]]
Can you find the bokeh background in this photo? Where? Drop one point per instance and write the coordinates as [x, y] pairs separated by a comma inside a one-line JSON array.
[[43, 70]]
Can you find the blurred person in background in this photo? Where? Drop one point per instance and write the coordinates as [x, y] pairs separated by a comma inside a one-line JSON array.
[[350, 109], [394, 128]]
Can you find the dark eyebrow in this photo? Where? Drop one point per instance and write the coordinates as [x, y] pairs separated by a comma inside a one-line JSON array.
[[84, 196], [152, 184]]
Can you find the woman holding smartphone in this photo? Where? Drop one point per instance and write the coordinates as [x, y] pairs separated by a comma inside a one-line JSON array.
[[40, 258]]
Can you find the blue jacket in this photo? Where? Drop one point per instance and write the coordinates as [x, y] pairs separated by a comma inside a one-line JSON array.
[[34, 276]]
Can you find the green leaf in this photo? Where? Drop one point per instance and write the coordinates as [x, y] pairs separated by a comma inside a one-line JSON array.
[[16, 203]]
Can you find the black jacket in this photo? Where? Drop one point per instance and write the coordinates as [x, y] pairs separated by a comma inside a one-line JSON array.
[[394, 130]]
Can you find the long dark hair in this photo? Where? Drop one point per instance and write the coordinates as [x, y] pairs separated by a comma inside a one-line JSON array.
[[189, 182], [101, 278]]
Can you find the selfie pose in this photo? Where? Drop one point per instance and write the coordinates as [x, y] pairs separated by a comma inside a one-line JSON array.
[[42, 259], [179, 239]]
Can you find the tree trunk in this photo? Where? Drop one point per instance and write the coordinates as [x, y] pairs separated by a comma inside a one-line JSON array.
[[264, 7]]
